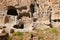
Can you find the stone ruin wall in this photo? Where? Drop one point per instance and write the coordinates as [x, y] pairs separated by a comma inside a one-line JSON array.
[[46, 11]]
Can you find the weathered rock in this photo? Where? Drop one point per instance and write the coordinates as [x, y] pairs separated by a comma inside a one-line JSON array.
[[44, 10], [4, 36]]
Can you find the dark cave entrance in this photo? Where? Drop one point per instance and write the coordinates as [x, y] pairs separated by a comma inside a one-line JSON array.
[[22, 26], [56, 20], [19, 27], [12, 11], [32, 9]]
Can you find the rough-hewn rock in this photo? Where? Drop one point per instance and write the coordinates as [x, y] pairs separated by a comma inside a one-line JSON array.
[[45, 11]]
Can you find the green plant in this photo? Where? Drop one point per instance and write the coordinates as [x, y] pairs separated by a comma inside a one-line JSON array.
[[10, 38], [17, 33], [20, 34], [52, 30]]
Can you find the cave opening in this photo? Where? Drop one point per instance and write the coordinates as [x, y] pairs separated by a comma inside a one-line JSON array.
[[56, 20], [19, 27], [22, 26], [12, 11], [32, 8], [34, 19]]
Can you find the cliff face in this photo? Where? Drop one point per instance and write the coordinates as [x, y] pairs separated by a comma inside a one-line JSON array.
[[44, 11]]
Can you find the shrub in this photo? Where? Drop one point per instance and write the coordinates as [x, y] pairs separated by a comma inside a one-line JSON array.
[[20, 34]]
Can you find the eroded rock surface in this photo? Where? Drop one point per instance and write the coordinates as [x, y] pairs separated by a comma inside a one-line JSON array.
[[44, 11]]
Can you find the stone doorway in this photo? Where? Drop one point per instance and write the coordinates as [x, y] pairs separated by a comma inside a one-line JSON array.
[[12, 11]]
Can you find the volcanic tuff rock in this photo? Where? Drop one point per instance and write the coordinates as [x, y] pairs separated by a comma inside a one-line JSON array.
[[45, 12]]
